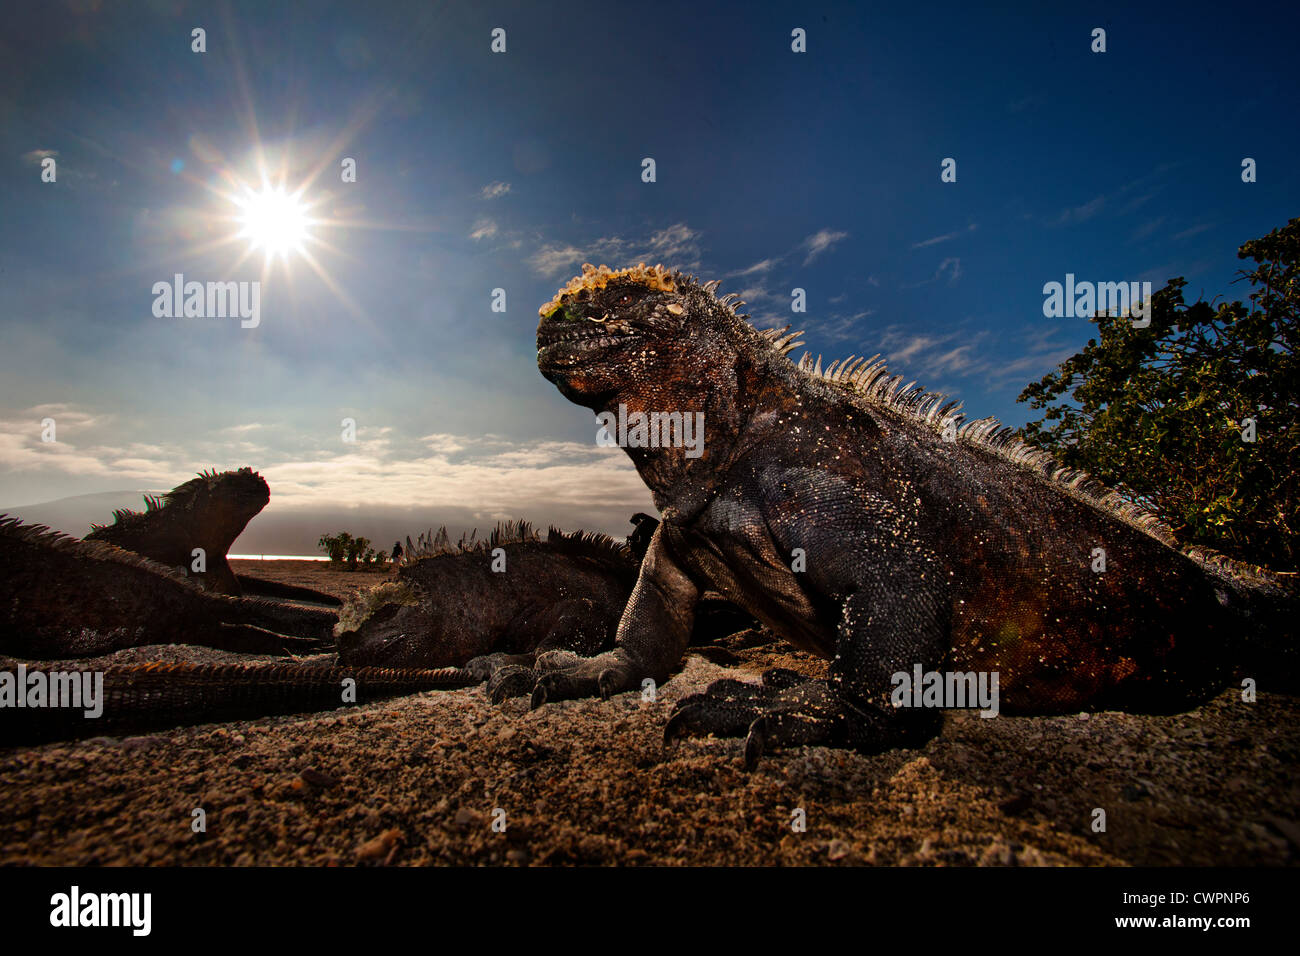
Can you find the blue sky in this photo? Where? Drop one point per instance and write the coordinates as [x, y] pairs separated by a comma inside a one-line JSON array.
[[479, 171]]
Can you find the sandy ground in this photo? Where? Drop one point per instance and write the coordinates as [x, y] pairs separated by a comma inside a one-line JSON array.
[[422, 779]]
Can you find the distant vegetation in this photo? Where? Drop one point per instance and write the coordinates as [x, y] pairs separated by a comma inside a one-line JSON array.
[[344, 549], [1196, 416]]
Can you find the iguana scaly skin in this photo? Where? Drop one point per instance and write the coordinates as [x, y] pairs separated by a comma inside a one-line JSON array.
[[448, 607], [972, 554], [61, 597]]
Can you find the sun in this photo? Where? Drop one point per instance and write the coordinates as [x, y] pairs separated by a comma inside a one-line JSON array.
[[274, 221]]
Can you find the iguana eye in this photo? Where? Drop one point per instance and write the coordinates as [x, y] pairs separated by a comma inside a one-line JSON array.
[[626, 298]]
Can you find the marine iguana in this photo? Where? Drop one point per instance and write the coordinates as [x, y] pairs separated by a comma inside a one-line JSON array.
[[449, 607], [61, 597], [827, 503], [207, 512]]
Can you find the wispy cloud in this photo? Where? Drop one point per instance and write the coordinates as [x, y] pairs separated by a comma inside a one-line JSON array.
[[34, 157], [763, 265], [950, 267], [676, 246], [495, 190], [483, 229], [1126, 199], [1081, 213], [945, 237], [1194, 230], [931, 357], [820, 242], [1146, 229]]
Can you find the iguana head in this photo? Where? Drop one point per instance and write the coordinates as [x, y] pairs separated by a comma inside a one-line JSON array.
[[391, 626], [608, 329], [220, 501], [649, 344]]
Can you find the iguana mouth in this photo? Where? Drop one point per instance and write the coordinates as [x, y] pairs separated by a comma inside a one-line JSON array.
[[565, 345]]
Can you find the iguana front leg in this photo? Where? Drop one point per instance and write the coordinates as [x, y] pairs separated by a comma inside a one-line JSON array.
[[652, 636], [899, 621]]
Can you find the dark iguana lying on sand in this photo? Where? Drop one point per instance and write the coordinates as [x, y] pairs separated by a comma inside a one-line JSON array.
[[207, 512], [64, 598], [449, 607], [61, 597], [829, 505]]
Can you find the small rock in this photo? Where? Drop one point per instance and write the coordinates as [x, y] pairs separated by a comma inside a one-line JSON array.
[[380, 848], [142, 743], [466, 817], [318, 778], [837, 850]]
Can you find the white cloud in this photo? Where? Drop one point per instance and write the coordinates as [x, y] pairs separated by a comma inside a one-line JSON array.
[[944, 238], [820, 241], [761, 266], [483, 229], [495, 190], [674, 246], [1081, 213], [487, 473]]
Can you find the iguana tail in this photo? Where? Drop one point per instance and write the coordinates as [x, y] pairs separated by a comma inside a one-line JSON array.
[[140, 698], [295, 620], [251, 585]]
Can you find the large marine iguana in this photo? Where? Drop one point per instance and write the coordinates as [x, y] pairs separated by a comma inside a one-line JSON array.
[[208, 512], [829, 504]]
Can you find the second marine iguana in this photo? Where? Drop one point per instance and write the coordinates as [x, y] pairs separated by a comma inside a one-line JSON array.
[[448, 607], [492, 611], [62, 598], [208, 512], [861, 519]]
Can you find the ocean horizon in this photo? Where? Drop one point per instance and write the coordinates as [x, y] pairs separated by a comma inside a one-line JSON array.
[[279, 557]]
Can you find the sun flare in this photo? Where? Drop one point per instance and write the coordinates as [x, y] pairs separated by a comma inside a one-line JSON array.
[[274, 221]]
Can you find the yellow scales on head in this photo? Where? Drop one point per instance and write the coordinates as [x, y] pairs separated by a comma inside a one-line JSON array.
[[592, 278]]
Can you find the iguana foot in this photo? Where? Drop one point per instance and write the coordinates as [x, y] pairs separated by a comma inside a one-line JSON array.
[[563, 675], [510, 681], [789, 710]]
